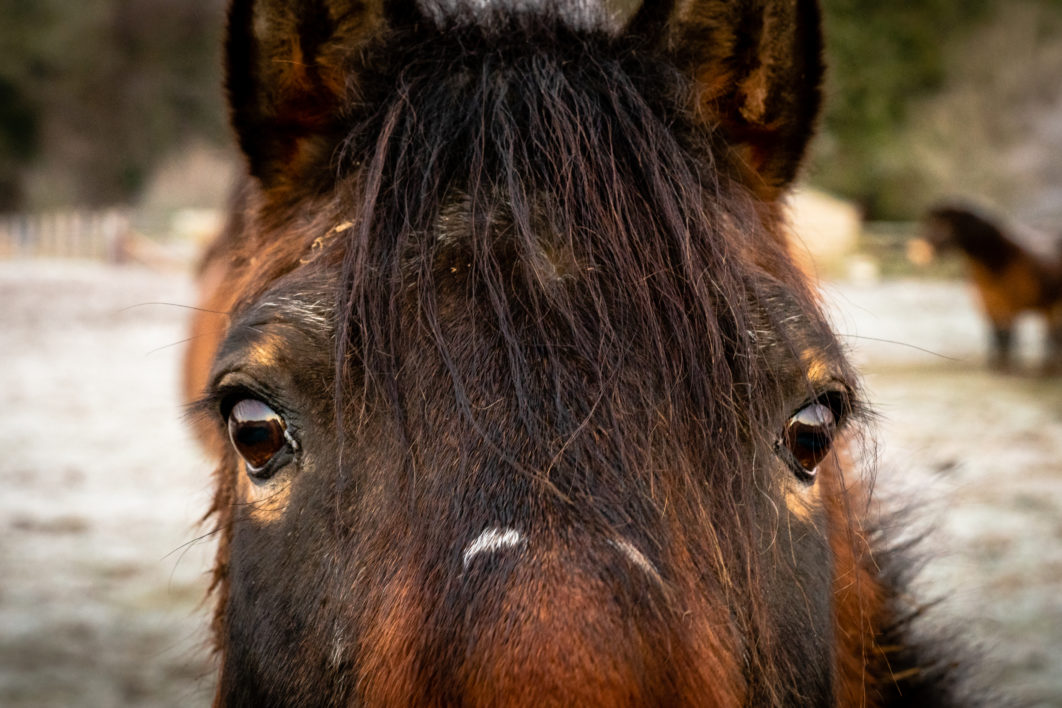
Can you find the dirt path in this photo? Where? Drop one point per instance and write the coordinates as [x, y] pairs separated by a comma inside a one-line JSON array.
[[101, 580]]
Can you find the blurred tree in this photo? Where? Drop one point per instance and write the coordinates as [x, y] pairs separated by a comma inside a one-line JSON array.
[[18, 141], [95, 94], [993, 133], [101, 90], [882, 58], [19, 115]]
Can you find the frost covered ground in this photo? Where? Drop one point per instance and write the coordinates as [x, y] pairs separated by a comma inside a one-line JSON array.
[[102, 578], [981, 452]]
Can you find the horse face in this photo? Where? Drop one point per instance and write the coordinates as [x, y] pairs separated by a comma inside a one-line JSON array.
[[522, 401], [388, 569]]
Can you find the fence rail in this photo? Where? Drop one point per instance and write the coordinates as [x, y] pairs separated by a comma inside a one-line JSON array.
[[99, 235]]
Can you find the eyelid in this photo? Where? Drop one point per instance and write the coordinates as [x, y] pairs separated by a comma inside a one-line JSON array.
[[839, 401], [226, 390], [839, 397], [229, 387], [227, 398]]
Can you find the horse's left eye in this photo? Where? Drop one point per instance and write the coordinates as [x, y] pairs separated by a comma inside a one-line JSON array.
[[809, 434], [258, 434]]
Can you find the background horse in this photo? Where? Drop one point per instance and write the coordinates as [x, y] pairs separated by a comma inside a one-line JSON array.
[[518, 398], [1010, 278]]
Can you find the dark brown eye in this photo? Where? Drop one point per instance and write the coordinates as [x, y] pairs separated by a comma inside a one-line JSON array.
[[809, 435], [258, 433]]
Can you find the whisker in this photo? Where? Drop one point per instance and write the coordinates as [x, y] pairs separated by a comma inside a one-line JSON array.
[[177, 305], [180, 342], [184, 547], [255, 503], [901, 344]]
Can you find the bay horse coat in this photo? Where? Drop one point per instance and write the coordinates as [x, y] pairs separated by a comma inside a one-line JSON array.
[[1010, 277], [516, 395]]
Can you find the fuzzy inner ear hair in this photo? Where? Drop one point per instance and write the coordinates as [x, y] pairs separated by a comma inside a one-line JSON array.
[[757, 72], [290, 68]]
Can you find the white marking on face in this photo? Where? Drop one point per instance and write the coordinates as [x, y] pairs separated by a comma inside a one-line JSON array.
[[636, 557], [337, 646], [492, 540]]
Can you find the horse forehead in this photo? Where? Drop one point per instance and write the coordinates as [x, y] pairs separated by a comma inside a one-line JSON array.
[[306, 300], [290, 325]]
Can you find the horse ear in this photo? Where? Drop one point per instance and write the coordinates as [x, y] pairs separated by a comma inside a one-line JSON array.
[[757, 72], [290, 68]]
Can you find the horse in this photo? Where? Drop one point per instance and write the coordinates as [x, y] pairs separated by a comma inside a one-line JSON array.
[[1010, 278], [516, 393]]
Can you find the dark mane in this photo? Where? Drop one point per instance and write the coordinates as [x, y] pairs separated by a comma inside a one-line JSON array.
[[517, 132]]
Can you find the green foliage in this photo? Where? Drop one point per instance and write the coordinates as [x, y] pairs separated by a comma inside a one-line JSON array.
[[19, 141], [101, 90], [95, 94], [882, 58]]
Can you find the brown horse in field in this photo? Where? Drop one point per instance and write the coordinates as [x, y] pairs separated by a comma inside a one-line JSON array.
[[1009, 277], [517, 396]]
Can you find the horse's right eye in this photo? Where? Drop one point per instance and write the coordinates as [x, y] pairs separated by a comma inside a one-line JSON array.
[[259, 435], [809, 435], [810, 432]]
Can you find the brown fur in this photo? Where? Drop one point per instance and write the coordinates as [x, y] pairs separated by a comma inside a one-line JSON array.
[[501, 269], [1010, 279]]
